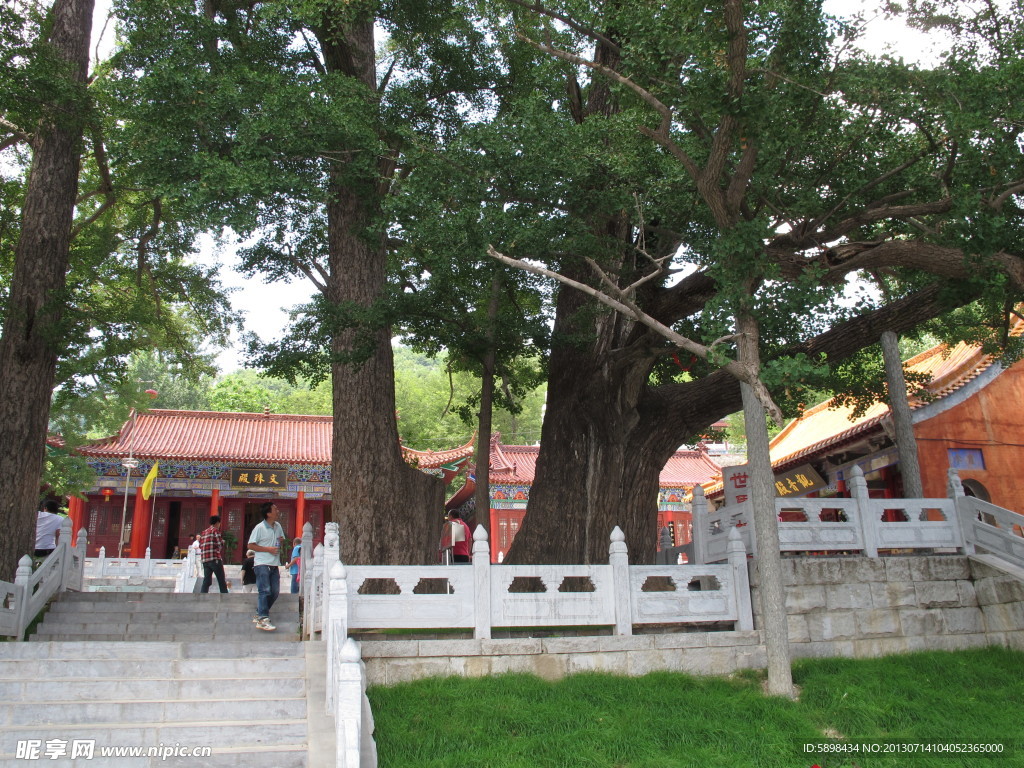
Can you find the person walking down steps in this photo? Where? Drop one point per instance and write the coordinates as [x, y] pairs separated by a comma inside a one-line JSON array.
[[211, 548], [265, 540]]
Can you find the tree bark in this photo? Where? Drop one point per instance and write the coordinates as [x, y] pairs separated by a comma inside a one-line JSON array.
[[906, 443], [28, 358], [388, 512], [482, 492], [607, 432], [766, 526]]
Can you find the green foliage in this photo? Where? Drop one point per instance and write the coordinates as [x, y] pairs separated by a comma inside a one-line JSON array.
[[435, 405]]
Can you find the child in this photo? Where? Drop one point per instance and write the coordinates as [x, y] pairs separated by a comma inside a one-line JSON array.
[[248, 573], [294, 563]]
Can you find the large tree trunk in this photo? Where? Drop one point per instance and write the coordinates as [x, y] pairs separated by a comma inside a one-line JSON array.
[[601, 451], [607, 433], [775, 625], [903, 425], [28, 358], [482, 492], [388, 512]]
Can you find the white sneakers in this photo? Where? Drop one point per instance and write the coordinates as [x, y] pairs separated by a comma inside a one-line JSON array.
[[263, 622]]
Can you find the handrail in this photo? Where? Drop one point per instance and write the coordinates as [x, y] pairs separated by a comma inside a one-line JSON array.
[[62, 569]]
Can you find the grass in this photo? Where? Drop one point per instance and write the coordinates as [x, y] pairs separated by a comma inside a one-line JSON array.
[[668, 720]]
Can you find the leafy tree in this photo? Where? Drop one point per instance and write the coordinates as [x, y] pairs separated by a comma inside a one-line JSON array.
[[57, 62], [272, 118], [875, 167]]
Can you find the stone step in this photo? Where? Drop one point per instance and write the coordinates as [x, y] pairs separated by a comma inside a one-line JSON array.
[[250, 704], [143, 601], [111, 689], [164, 617], [124, 613], [95, 652], [42, 669], [249, 733], [73, 623], [271, 638], [212, 711], [288, 756]]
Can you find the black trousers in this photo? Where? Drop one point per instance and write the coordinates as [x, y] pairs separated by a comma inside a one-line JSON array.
[[211, 568]]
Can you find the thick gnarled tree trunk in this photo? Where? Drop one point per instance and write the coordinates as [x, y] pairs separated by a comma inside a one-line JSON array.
[[28, 361], [607, 432], [388, 512]]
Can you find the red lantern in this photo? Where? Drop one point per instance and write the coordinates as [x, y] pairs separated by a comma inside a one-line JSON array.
[[107, 493], [152, 394]]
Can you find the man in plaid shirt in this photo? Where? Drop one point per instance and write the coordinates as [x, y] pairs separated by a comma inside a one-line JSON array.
[[211, 552]]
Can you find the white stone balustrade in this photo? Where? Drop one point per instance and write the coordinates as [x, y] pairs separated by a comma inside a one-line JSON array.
[[481, 596], [141, 567], [62, 569], [861, 525]]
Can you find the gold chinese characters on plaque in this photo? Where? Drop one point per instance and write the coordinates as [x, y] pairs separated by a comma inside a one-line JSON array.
[[259, 477], [798, 481]]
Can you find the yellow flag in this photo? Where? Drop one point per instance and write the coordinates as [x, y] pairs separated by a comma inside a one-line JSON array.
[[147, 484]]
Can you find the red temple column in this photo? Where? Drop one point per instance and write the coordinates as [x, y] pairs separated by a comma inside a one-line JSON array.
[[214, 502], [495, 544], [141, 523], [76, 511], [300, 514]]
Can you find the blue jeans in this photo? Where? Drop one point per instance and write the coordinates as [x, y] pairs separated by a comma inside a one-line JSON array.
[[268, 584], [295, 583]]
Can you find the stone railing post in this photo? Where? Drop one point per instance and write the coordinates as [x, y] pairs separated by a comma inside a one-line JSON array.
[[315, 594], [78, 576], [147, 564], [332, 555], [481, 585], [964, 518], [865, 512], [101, 566], [305, 553], [67, 566], [348, 716], [618, 559], [335, 621], [699, 525], [737, 555], [21, 594]]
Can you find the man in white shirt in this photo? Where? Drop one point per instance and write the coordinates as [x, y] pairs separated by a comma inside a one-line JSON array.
[[265, 540], [48, 522]]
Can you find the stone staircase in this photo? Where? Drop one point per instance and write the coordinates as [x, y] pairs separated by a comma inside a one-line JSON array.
[[247, 702], [159, 616], [129, 584], [165, 672]]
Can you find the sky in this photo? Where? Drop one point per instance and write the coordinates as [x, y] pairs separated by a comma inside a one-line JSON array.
[[265, 307]]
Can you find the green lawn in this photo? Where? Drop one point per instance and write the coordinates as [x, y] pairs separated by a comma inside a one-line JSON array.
[[667, 720]]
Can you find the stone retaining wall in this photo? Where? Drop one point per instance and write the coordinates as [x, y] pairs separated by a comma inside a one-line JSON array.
[[873, 607], [837, 607]]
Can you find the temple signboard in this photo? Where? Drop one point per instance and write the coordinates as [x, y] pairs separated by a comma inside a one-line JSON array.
[[259, 477], [798, 481]]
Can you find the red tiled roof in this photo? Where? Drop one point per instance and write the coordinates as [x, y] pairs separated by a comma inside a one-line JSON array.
[[427, 459], [686, 469], [826, 424], [517, 465], [252, 437], [513, 464]]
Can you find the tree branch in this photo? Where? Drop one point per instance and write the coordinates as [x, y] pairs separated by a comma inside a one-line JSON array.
[[738, 370], [569, 22]]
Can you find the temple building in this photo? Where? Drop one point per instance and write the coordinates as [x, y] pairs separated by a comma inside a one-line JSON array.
[[512, 473], [215, 463], [970, 419]]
